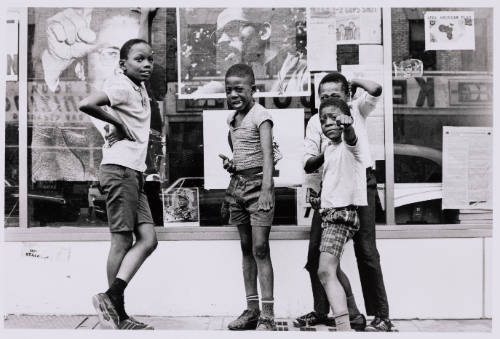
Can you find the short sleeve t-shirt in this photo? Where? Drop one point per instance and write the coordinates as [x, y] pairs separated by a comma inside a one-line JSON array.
[[129, 103], [247, 150], [344, 176]]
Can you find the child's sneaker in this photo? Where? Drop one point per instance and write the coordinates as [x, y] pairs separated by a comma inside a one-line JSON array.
[[133, 324], [266, 324], [108, 317], [358, 322], [381, 325], [312, 319], [246, 321]]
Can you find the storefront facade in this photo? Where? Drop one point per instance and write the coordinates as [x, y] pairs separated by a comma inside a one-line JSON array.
[[434, 231]]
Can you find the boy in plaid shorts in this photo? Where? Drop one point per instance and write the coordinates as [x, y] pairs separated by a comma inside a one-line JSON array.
[[343, 190]]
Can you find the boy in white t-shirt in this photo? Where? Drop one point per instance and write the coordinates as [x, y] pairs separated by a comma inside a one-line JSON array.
[[343, 190]]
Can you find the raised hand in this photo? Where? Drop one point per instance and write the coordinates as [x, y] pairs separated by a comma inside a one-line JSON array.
[[68, 37], [227, 163], [344, 121], [69, 34]]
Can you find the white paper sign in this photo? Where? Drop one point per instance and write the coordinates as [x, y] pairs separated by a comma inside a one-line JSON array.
[[358, 26], [449, 30], [322, 40], [467, 167], [288, 131]]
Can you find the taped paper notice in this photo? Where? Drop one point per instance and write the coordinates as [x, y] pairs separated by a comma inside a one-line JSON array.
[[449, 30]]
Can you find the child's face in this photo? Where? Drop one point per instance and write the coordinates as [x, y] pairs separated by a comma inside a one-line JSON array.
[[139, 64], [239, 93], [331, 89], [328, 117], [183, 202]]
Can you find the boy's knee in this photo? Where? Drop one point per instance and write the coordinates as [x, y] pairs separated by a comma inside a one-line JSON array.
[[121, 242], [323, 275], [151, 245], [261, 251], [246, 246]]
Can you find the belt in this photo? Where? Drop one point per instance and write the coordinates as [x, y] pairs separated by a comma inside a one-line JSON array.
[[344, 208], [348, 208], [249, 171]]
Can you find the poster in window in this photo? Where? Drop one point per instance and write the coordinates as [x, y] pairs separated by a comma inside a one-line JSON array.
[[288, 133], [273, 41], [449, 30], [72, 52], [181, 207], [358, 26], [467, 167]]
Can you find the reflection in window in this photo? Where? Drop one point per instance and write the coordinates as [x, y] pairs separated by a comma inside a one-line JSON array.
[[424, 105], [64, 144]]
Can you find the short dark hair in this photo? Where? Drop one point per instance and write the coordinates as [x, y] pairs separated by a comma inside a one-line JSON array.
[[335, 102], [336, 77], [241, 70], [125, 50]]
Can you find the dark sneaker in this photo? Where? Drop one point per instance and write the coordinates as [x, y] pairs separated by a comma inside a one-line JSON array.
[[358, 322], [381, 325], [266, 324], [133, 324], [108, 317], [312, 319], [246, 321]]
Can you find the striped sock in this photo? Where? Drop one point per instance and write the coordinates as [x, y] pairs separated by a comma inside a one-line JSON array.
[[268, 308], [253, 302]]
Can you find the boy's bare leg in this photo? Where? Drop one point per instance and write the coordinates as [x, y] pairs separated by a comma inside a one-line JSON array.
[[328, 264], [121, 242], [249, 264], [124, 261], [262, 255], [144, 245], [248, 320]]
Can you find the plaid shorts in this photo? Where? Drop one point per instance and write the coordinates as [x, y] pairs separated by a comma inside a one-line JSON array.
[[338, 226]]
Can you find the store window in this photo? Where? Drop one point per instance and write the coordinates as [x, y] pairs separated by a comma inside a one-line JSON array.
[[440, 111], [64, 145], [440, 94]]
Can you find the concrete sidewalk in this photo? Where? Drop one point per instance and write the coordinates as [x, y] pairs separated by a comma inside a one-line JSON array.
[[90, 322]]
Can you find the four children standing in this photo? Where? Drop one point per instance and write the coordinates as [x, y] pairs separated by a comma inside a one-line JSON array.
[[124, 105]]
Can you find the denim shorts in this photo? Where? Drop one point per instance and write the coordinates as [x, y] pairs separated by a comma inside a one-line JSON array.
[[242, 196], [126, 203], [338, 226]]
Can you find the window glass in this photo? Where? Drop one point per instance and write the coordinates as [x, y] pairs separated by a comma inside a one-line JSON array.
[[64, 144], [203, 66], [453, 90]]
